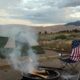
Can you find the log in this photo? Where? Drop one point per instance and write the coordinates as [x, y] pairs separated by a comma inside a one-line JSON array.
[[40, 75]]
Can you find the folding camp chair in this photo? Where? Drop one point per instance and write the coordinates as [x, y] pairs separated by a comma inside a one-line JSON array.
[[73, 59]]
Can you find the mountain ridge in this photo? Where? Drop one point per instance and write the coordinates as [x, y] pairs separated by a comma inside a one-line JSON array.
[[53, 28], [75, 23]]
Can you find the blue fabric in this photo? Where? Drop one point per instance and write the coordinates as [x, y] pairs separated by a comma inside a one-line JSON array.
[[75, 43]]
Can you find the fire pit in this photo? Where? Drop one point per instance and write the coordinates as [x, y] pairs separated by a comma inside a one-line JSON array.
[[70, 75], [46, 74]]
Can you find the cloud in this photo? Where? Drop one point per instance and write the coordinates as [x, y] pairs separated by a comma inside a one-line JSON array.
[[40, 11], [68, 3], [8, 3], [3, 13], [4, 21], [75, 15], [14, 21]]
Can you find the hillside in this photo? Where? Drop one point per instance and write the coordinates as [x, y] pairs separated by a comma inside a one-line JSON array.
[[76, 23], [54, 28], [4, 29]]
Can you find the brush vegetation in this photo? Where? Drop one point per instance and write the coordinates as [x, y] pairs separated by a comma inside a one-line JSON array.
[[59, 41]]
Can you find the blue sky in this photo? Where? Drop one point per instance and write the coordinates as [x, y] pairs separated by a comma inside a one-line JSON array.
[[39, 11]]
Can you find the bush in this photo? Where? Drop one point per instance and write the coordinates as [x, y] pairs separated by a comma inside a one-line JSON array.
[[3, 41], [2, 56], [38, 49], [4, 52], [24, 49], [60, 37]]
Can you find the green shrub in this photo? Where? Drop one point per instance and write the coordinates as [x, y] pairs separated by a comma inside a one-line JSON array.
[[3, 41], [2, 56], [38, 49], [24, 49], [60, 37]]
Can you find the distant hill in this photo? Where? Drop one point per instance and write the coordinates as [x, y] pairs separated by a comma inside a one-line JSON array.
[[76, 23], [4, 29], [49, 29]]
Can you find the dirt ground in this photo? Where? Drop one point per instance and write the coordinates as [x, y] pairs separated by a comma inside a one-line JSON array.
[[8, 73]]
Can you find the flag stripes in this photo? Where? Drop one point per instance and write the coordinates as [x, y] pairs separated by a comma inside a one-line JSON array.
[[75, 55]]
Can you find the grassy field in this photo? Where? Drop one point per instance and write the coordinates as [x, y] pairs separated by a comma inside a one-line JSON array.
[[60, 41]]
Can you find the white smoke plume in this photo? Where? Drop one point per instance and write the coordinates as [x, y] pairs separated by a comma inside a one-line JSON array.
[[27, 36]]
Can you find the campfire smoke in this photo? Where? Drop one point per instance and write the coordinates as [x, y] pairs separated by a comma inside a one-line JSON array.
[[27, 36]]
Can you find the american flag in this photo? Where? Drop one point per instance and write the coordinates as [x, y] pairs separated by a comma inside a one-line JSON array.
[[75, 54]]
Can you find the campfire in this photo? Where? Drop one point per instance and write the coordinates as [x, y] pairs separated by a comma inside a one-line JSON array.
[[42, 74]]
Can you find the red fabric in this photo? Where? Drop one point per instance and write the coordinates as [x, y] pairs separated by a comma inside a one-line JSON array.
[[75, 55]]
